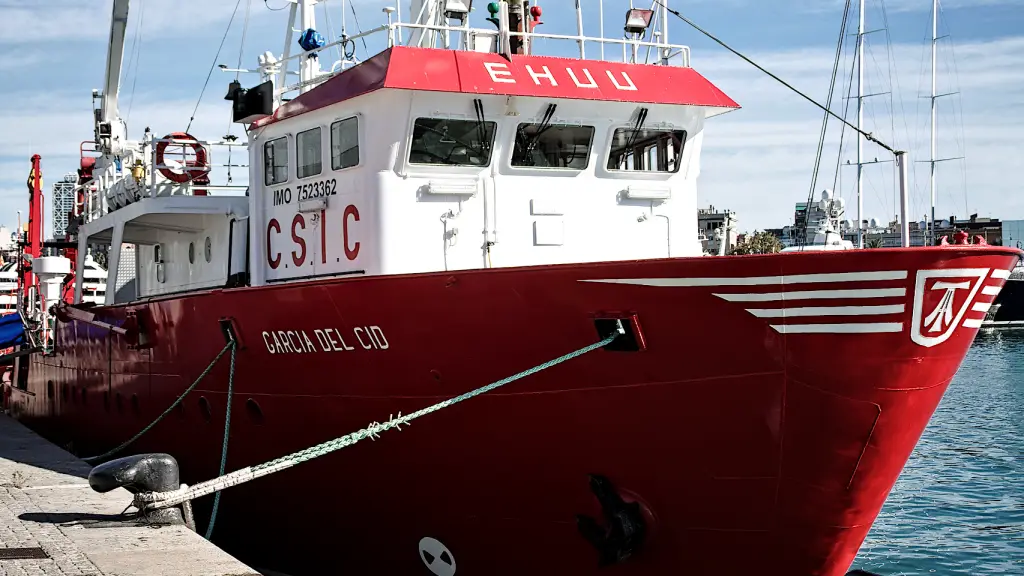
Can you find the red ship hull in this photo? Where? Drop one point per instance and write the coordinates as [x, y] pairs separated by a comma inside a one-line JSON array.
[[753, 443]]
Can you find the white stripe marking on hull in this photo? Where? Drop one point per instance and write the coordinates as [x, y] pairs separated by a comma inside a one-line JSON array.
[[827, 311], [814, 295], [865, 328], [759, 280]]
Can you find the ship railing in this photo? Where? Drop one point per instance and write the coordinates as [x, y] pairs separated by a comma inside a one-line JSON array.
[[654, 52], [96, 204], [214, 148]]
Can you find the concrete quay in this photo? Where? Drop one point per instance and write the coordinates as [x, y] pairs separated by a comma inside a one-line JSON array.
[[53, 523]]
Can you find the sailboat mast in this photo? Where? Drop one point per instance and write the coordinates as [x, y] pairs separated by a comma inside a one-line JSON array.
[[860, 122], [935, 30]]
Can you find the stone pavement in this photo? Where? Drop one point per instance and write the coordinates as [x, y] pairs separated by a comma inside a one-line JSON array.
[[49, 513]]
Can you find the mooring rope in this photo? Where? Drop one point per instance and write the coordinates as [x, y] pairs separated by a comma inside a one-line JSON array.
[[157, 500], [122, 446], [224, 445]]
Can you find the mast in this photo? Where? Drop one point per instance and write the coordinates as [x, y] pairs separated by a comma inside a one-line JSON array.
[[860, 122], [309, 67], [931, 162], [934, 96], [34, 237]]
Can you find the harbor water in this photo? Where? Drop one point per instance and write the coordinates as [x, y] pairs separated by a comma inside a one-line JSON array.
[[958, 506]]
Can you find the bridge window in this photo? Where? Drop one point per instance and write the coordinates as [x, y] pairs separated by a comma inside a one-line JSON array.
[[275, 161], [451, 142], [646, 150], [552, 146], [308, 153], [345, 143]]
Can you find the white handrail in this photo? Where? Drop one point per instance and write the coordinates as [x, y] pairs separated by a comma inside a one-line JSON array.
[[394, 30]]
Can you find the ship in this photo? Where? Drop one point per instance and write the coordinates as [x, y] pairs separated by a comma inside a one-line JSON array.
[[822, 226], [1007, 310], [449, 211]]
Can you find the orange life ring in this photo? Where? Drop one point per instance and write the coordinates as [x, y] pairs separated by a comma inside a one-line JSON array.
[[192, 169]]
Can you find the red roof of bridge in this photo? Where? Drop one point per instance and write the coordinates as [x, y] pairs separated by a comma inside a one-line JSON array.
[[465, 72]]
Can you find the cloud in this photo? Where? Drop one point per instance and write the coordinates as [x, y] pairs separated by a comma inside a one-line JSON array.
[[90, 20], [771, 142], [757, 160], [54, 125], [895, 6]]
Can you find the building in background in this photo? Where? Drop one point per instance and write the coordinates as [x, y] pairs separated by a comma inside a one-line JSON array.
[[714, 227], [63, 203], [808, 217], [1013, 233]]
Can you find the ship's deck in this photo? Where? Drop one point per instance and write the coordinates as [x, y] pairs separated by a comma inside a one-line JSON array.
[[51, 522]]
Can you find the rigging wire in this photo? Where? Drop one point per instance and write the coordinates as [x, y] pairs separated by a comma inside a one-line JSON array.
[[867, 135], [136, 56], [352, 5], [921, 75], [241, 46], [894, 73], [214, 65], [959, 97], [846, 113], [285, 7], [330, 27], [871, 111], [890, 64], [238, 72], [824, 123]]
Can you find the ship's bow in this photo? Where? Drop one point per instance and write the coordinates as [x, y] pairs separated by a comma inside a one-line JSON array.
[[869, 353]]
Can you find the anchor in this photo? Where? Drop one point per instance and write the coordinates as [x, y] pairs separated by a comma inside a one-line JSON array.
[[624, 529]]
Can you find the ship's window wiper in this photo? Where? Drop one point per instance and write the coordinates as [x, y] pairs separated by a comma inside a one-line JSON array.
[[641, 117], [481, 124], [452, 142], [525, 158]]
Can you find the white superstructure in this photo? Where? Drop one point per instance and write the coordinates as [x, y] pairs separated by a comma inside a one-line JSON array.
[[407, 181]]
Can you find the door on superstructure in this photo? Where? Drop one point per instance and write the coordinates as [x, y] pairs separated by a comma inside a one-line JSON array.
[[548, 191], [310, 201], [450, 164], [294, 203]]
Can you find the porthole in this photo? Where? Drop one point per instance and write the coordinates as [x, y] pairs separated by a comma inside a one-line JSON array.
[[83, 396], [156, 253], [106, 400], [119, 402], [209, 249], [135, 404], [191, 252], [64, 392], [49, 389]]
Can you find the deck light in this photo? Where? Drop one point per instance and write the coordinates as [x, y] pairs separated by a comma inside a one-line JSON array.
[[457, 9], [492, 9], [637, 20]]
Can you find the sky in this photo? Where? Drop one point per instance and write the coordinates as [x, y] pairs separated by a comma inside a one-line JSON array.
[[757, 161]]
